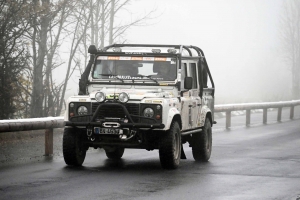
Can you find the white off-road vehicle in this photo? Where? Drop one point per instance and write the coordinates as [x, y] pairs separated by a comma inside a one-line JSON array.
[[144, 97]]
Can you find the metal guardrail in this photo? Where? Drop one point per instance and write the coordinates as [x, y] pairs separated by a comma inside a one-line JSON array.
[[49, 123], [228, 108]]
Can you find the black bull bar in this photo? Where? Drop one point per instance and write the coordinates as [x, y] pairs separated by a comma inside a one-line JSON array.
[[130, 124]]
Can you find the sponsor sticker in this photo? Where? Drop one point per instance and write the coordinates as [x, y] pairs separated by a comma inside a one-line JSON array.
[[160, 59], [125, 58], [113, 57], [136, 58], [148, 58]]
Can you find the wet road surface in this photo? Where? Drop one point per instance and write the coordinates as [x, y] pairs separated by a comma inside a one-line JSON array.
[[261, 162]]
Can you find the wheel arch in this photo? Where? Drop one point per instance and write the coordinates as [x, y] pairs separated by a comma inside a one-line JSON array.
[[177, 118], [173, 115], [205, 113], [209, 116]]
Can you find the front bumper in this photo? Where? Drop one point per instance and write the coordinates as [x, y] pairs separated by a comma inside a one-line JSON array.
[[98, 119], [122, 125]]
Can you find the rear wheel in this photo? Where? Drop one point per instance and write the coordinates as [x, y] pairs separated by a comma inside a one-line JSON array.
[[115, 153], [170, 147], [202, 142], [73, 150]]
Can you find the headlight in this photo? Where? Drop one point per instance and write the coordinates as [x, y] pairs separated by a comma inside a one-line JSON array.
[[100, 97], [123, 97], [82, 110], [148, 112]]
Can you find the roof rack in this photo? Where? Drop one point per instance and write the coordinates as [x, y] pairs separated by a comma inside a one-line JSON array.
[[188, 48]]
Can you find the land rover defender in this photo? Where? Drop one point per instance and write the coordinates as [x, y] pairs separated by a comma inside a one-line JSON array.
[[145, 97]]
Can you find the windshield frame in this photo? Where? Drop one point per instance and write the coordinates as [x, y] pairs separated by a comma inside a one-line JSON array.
[[113, 59]]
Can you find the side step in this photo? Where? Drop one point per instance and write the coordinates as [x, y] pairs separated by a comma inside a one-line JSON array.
[[191, 132]]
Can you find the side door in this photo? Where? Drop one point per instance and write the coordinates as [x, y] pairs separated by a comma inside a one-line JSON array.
[[190, 100], [206, 82], [195, 104], [185, 98]]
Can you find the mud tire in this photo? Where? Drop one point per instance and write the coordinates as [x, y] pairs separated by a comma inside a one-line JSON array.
[[202, 143], [73, 151], [170, 147]]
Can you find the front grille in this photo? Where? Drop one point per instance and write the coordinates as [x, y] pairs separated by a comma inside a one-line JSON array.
[[116, 111], [85, 118]]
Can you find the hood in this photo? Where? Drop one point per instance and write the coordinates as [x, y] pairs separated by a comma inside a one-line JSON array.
[[137, 94]]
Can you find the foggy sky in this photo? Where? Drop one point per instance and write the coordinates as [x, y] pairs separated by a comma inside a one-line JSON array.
[[240, 39]]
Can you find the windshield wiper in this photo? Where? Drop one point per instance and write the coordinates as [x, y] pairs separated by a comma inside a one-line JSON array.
[[114, 76], [148, 76]]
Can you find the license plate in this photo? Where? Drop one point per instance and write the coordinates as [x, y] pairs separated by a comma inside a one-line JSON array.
[[112, 131]]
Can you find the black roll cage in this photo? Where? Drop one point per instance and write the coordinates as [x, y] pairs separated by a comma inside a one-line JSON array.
[[83, 82]]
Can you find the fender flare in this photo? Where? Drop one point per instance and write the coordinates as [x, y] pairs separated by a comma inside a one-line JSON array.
[[173, 114], [204, 113]]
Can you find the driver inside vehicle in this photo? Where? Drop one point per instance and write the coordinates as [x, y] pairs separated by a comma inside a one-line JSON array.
[[123, 70], [127, 70], [165, 71]]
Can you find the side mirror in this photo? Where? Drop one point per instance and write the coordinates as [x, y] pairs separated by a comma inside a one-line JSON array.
[[92, 49], [188, 83]]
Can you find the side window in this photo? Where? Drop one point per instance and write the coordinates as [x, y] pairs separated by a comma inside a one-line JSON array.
[[183, 74], [202, 73], [193, 74]]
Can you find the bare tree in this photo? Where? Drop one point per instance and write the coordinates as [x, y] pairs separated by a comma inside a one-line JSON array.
[[13, 56], [290, 35], [105, 29], [51, 100], [47, 22], [41, 26], [37, 84], [79, 32]]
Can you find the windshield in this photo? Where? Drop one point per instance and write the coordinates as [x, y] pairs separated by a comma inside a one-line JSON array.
[[134, 68]]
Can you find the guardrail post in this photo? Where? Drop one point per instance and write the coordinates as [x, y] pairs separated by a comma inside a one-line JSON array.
[[265, 115], [248, 115], [228, 119], [49, 142], [279, 114], [292, 112]]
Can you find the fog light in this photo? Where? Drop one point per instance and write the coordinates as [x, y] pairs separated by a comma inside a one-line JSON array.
[[100, 97], [123, 97]]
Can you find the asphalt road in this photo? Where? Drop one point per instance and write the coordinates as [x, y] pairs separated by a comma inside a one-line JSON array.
[[261, 162]]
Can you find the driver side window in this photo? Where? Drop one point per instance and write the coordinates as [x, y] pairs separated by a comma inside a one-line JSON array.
[[193, 74]]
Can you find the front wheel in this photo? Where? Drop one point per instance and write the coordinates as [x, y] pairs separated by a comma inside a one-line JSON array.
[[73, 150], [202, 143], [170, 147]]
